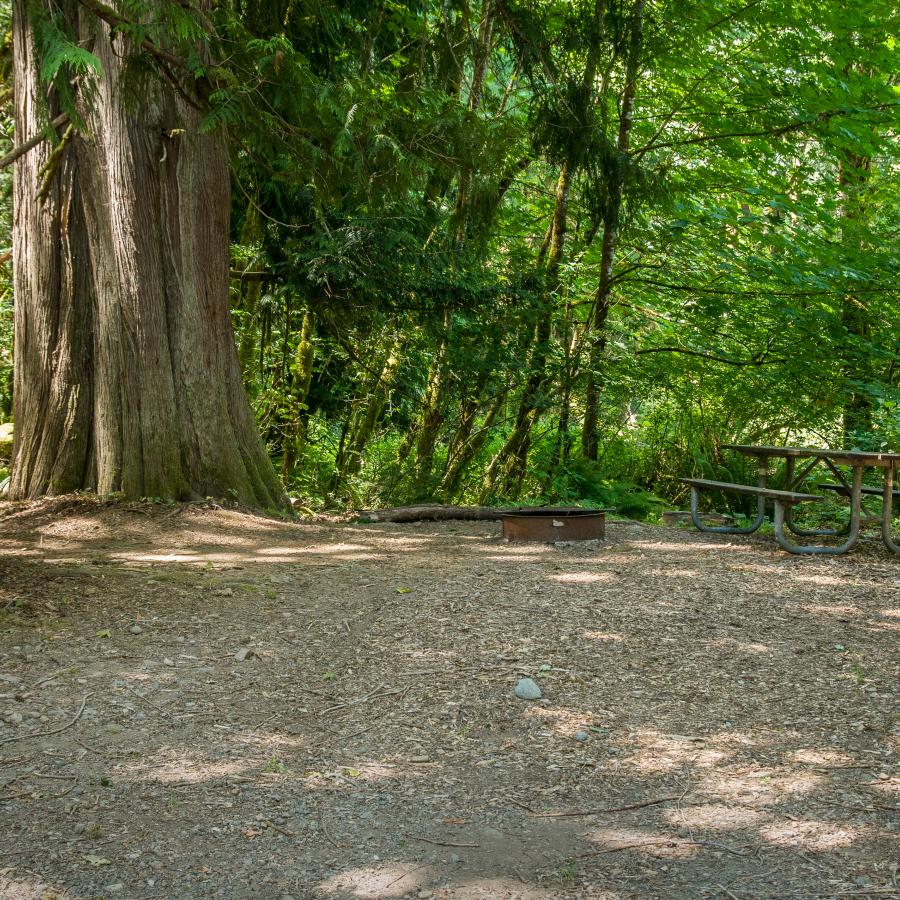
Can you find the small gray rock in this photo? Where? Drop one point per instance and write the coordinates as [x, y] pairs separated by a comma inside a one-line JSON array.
[[581, 736], [243, 654], [527, 689], [136, 629], [168, 662]]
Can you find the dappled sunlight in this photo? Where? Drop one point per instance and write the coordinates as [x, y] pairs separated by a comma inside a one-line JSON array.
[[511, 557], [741, 646], [886, 787], [358, 771], [611, 636], [821, 757], [372, 744], [563, 721], [825, 580], [491, 888], [735, 739], [688, 547], [180, 765], [674, 573], [29, 887], [377, 881], [319, 549], [763, 788], [821, 837], [714, 817], [584, 578], [658, 753], [649, 843], [837, 609], [272, 740]]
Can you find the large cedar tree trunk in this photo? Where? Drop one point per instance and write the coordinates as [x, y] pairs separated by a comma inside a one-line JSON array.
[[126, 374]]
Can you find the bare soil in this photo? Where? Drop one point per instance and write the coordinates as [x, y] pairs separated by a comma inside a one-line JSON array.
[[196, 702]]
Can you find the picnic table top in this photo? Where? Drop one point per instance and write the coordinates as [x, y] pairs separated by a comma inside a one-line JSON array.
[[847, 457]]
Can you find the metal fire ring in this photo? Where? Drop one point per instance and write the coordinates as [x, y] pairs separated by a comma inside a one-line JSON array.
[[550, 524]]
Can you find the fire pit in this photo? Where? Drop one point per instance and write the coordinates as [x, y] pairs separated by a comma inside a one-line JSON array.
[[548, 524]]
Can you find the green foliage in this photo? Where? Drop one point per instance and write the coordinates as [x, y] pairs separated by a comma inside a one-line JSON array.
[[395, 170]]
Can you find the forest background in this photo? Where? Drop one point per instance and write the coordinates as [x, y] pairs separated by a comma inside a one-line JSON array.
[[488, 250]]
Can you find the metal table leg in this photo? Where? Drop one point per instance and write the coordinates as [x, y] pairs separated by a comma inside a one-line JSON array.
[[887, 509], [789, 510], [761, 475], [852, 537]]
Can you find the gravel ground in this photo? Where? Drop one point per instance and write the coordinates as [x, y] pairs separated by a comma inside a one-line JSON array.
[[196, 702]]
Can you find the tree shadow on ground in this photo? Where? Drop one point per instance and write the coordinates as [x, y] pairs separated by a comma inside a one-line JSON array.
[[718, 719]]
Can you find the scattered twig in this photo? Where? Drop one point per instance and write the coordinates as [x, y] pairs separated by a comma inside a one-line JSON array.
[[875, 807], [280, 830], [672, 843], [870, 892], [725, 890], [593, 812], [34, 734], [376, 693], [331, 840], [107, 753], [47, 678], [48, 775], [151, 704], [15, 796], [68, 790], [418, 837]]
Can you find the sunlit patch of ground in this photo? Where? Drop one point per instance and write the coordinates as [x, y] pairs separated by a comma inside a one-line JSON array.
[[178, 765], [376, 882], [714, 817], [762, 788], [821, 837], [649, 843], [659, 753], [16, 887], [584, 578], [604, 636], [841, 610], [817, 756]]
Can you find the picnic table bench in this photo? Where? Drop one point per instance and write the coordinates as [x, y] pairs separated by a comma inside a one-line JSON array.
[[784, 501]]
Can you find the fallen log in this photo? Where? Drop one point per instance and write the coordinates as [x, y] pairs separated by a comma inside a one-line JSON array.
[[432, 513]]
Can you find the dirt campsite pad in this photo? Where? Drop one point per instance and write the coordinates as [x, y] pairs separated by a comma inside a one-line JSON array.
[[202, 703]]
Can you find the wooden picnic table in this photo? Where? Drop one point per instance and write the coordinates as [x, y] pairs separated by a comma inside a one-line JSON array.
[[785, 500]]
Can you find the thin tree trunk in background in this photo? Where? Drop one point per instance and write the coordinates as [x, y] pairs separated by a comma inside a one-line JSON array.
[[858, 408], [433, 406], [295, 430], [251, 233], [127, 379], [507, 470], [368, 414], [468, 450], [603, 296]]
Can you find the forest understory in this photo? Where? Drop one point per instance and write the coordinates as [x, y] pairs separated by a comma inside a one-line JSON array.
[[197, 702]]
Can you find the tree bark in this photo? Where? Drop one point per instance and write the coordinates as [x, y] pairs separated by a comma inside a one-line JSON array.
[[858, 413], [603, 296], [126, 375], [507, 469]]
